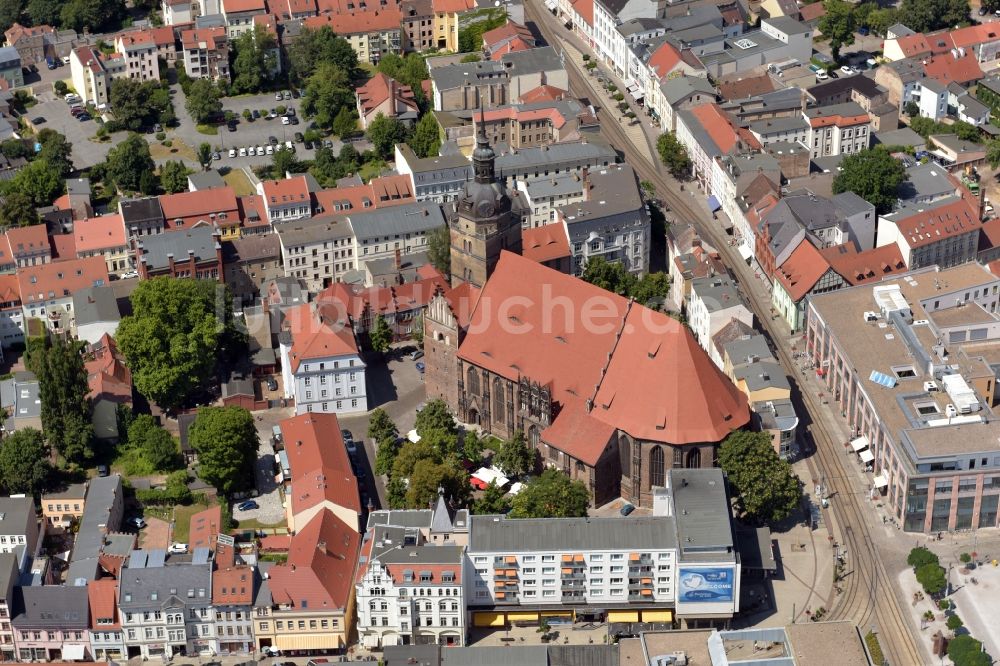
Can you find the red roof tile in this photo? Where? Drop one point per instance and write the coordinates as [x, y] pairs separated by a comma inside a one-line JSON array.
[[192, 207], [379, 89], [741, 88], [716, 123], [811, 11], [316, 337], [107, 375], [585, 10], [232, 586], [28, 239], [946, 68], [974, 35], [452, 6], [10, 290], [357, 301], [321, 563], [63, 247], [204, 527], [802, 270], [462, 300], [103, 597], [544, 93], [937, 224], [207, 38], [234, 6], [863, 267], [317, 456], [545, 243], [59, 280], [664, 59], [506, 32], [398, 571], [351, 23], [912, 45], [93, 234], [286, 191], [579, 434]]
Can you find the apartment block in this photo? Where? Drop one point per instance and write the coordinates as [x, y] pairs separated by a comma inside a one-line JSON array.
[[206, 53], [837, 129], [18, 524]]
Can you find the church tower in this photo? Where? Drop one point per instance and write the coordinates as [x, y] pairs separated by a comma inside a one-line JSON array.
[[483, 224]]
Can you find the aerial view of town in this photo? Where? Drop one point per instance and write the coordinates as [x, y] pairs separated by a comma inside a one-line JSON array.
[[500, 332]]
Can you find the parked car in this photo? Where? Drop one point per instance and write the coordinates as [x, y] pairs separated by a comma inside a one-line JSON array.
[[847, 70], [272, 140], [269, 149], [420, 367], [243, 151], [308, 145], [232, 152], [863, 30], [83, 116], [255, 113], [627, 509], [822, 76], [298, 137], [295, 93], [417, 354], [130, 274], [288, 95], [290, 146], [232, 126], [277, 96], [272, 384], [157, 127], [137, 523], [293, 120], [177, 548], [249, 505], [102, 470], [285, 120]]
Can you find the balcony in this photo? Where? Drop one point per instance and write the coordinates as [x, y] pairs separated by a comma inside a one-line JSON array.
[[642, 595]]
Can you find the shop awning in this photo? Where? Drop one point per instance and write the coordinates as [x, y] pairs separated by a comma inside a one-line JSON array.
[[745, 251], [551, 4], [859, 443], [867, 456], [72, 652], [658, 616], [623, 616], [488, 620], [880, 481], [325, 642], [713, 203], [522, 617]]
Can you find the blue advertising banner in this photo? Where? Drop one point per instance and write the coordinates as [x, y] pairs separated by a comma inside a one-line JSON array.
[[704, 584]]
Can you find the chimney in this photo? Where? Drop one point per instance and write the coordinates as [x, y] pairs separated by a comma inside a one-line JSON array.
[[399, 260]]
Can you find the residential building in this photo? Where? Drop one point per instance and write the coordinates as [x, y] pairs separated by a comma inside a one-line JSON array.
[[321, 364], [386, 96], [778, 419], [286, 200], [544, 196], [142, 216], [446, 17], [52, 623], [507, 38], [249, 263], [10, 67], [20, 396], [553, 160], [102, 518], [318, 250], [805, 272], [921, 412], [11, 312], [93, 72], [610, 222], [410, 587], [30, 246], [713, 303], [381, 233], [47, 289], [217, 207], [743, 186], [96, 313], [707, 133], [9, 573], [206, 53], [864, 91], [418, 25], [110, 383], [32, 44], [944, 235], [62, 509], [233, 586], [166, 607], [239, 15], [437, 179], [371, 33], [309, 602], [193, 253], [399, 304], [107, 640], [549, 246], [105, 237], [837, 129], [140, 52], [178, 12], [955, 153], [931, 98], [607, 569], [18, 524], [777, 40], [505, 385]]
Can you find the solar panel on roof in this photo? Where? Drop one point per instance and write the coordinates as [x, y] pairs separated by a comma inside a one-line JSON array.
[[883, 379], [200, 556]]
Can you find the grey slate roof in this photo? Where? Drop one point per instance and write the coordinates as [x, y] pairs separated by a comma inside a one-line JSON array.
[[614, 190], [775, 414], [531, 61], [448, 77], [145, 209], [850, 203], [401, 518], [500, 534], [156, 248], [14, 514], [680, 87], [51, 607], [95, 304], [717, 292], [424, 555], [926, 181], [417, 217], [904, 136], [863, 84], [94, 523], [785, 124], [761, 375], [206, 180], [146, 588], [579, 154], [553, 186], [313, 229], [755, 346], [8, 572], [789, 25]]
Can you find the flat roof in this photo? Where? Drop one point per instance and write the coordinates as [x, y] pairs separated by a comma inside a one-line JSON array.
[[500, 534]]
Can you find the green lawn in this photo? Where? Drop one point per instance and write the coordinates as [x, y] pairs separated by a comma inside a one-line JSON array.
[[210, 130], [237, 179], [182, 518], [371, 169]]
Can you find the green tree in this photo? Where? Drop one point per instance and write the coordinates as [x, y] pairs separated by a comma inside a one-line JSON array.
[[312, 47], [345, 124], [284, 162], [838, 25], [924, 126], [768, 489], [966, 132], [18, 210], [470, 37], [327, 91], [954, 622], [381, 426], [24, 462], [428, 476], [494, 500], [385, 133], [439, 249], [380, 335], [172, 339], [551, 495], [66, 410], [38, 181], [911, 109], [472, 446], [10, 13], [444, 442], [395, 493], [410, 70], [173, 176], [56, 151], [203, 100], [409, 455], [160, 449], [872, 174], [609, 275], [14, 148], [993, 153], [651, 290], [127, 162], [417, 330], [931, 576], [254, 60], [879, 20], [674, 155], [385, 454], [225, 439], [138, 104], [435, 416], [205, 154], [515, 457], [930, 15], [426, 139], [920, 556], [965, 650], [96, 15]]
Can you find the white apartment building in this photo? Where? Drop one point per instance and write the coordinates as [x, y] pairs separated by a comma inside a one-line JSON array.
[[644, 569], [286, 200], [166, 607], [714, 302], [140, 51], [380, 233], [90, 79], [410, 591], [545, 195], [321, 364], [838, 129], [18, 524], [317, 251], [206, 53]]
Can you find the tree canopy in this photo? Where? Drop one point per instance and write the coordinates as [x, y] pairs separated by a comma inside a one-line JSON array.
[[838, 25], [768, 489], [493, 500], [153, 444], [439, 249], [66, 410], [674, 155], [874, 175], [384, 133], [138, 104], [435, 416], [426, 138], [515, 457], [254, 60], [24, 462], [551, 495], [226, 441], [173, 176], [128, 162], [964, 650], [932, 577], [930, 15], [18, 210], [651, 289], [203, 100], [176, 332], [380, 335], [409, 69], [314, 46], [327, 91], [920, 556]]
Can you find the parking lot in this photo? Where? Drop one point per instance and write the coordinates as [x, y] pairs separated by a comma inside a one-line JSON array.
[[86, 153]]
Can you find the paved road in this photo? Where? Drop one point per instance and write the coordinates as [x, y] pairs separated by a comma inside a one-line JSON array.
[[882, 610]]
